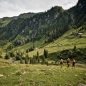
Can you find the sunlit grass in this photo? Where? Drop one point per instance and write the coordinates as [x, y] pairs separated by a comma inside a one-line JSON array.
[[41, 75]]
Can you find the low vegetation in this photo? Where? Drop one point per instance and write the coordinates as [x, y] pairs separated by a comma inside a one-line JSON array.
[[41, 75]]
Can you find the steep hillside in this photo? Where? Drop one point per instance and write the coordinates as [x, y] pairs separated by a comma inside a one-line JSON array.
[[54, 22], [79, 12], [70, 39], [35, 47], [35, 30], [4, 21]]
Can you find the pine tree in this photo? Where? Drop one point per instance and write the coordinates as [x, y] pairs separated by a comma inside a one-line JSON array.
[[45, 53], [74, 48], [38, 60]]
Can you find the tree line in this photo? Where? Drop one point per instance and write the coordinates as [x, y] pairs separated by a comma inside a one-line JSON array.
[[24, 58]]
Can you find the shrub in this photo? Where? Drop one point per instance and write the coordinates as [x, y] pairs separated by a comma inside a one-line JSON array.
[[21, 61], [18, 56], [26, 60], [7, 56]]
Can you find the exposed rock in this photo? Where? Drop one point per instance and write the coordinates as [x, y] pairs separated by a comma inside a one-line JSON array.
[[1, 75], [80, 84]]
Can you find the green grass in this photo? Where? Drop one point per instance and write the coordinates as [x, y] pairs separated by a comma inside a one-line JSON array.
[[41, 75], [29, 45], [67, 41]]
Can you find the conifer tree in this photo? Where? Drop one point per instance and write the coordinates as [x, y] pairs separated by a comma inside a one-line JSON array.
[[45, 53]]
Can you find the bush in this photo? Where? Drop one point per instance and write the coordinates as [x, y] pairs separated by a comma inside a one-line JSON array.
[[31, 49], [1, 56], [12, 54], [18, 73], [18, 56], [7, 56], [26, 60], [21, 61]]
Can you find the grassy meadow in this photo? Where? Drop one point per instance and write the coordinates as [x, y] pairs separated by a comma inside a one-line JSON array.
[[41, 75], [67, 41]]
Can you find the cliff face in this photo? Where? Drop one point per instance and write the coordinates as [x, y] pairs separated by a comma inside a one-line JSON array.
[[81, 6], [81, 3], [80, 12]]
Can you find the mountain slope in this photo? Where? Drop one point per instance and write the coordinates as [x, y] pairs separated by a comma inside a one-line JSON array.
[[70, 39], [30, 28], [54, 20]]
